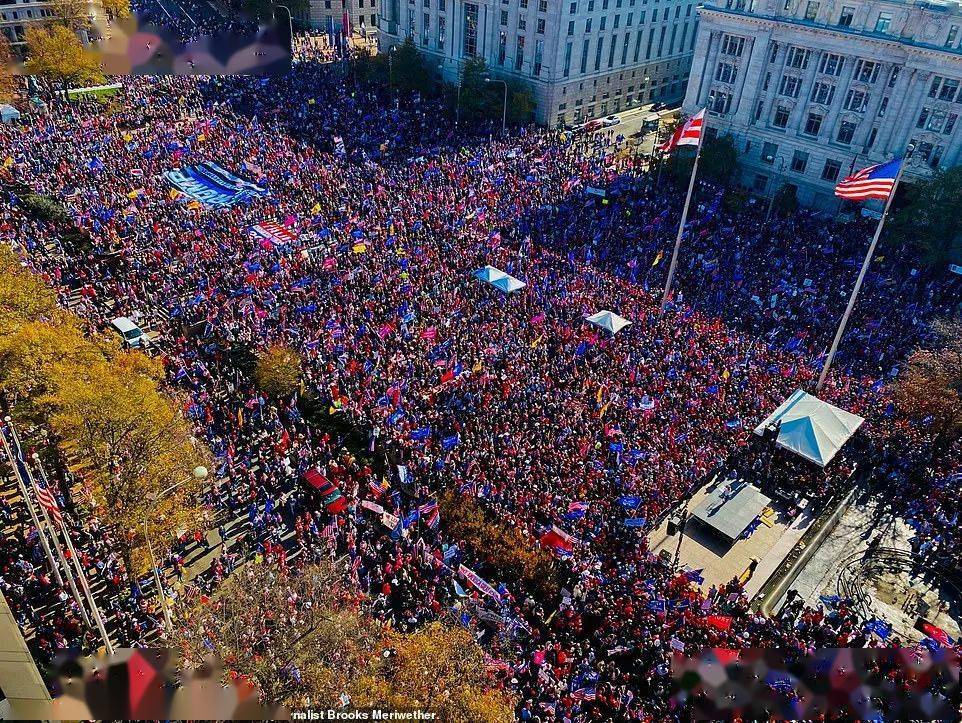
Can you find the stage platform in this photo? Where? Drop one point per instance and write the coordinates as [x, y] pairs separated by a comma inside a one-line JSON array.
[[722, 558], [729, 511]]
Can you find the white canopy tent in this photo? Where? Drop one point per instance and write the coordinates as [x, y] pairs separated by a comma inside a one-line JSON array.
[[499, 279], [607, 320], [811, 428]]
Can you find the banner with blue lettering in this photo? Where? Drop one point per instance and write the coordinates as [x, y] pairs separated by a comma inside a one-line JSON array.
[[212, 185]]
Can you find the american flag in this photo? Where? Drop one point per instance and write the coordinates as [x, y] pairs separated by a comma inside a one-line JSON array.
[[584, 694], [429, 512], [687, 134], [379, 488], [48, 502], [872, 182], [329, 529]]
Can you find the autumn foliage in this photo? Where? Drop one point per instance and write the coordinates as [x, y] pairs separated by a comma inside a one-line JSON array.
[[304, 639], [278, 371], [930, 388], [116, 428], [508, 550]]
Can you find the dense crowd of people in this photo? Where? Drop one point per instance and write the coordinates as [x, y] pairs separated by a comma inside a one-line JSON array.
[[513, 399]]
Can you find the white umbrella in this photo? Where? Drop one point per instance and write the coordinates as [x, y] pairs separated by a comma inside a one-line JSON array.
[[608, 320], [489, 274]]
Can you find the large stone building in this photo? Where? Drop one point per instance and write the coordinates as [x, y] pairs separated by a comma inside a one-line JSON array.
[[17, 15], [812, 88], [582, 58], [328, 15]]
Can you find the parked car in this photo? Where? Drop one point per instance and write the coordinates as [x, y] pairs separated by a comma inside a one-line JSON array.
[[611, 120], [132, 334]]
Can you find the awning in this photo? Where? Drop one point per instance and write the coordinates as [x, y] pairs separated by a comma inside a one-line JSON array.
[[609, 321], [499, 279], [811, 428]]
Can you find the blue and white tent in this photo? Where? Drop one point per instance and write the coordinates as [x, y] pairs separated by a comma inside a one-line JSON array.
[[811, 428], [608, 320], [499, 279]]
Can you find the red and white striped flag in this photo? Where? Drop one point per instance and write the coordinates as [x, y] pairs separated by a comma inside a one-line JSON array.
[[48, 502], [687, 134]]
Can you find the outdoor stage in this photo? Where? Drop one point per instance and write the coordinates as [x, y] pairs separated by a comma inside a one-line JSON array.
[[712, 541]]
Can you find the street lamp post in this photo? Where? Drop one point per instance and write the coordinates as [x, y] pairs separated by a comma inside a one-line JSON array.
[[290, 24], [199, 474], [504, 107]]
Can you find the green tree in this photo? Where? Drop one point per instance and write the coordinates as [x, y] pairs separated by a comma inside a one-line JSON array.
[[477, 96], [8, 83], [719, 162], [785, 202], [409, 72], [928, 216]]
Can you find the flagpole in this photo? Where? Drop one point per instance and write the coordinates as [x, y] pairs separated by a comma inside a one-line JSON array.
[[33, 513], [81, 575], [681, 225], [56, 545], [861, 275]]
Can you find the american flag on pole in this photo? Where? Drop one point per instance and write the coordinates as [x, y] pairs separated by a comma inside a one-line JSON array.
[[687, 134], [872, 182], [48, 502]]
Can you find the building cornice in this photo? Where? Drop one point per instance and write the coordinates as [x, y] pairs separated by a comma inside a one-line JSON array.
[[889, 43]]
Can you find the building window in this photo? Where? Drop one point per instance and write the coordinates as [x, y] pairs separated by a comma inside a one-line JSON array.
[[470, 29], [883, 23], [726, 72], [830, 170], [442, 23], [732, 45], [846, 131], [611, 50], [603, 23], [571, 28], [504, 17], [953, 36], [758, 111], [789, 86], [768, 81], [540, 30], [943, 88], [799, 161], [601, 45], [831, 64], [588, 25], [773, 52], [894, 76], [811, 10], [573, 8], [923, 118], [823, 93], [502, 47], [769, 150], [522, 23], [856, 100], [845, 19], [797, 58], [883, 106], [873, 134], [813, 124], [759, 183], [542, 6], [519, 54], [624, 51], [950, 123], [426, 27], [538, 56], [936, 121], [719, 102], [781, 117], [923, 150], [567, 66], [866, 71], [617, 22]]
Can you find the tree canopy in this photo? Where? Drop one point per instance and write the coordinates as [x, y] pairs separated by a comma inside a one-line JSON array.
[[278, 371], [303, 638], [718, 163], [55, 51], [928, 216]]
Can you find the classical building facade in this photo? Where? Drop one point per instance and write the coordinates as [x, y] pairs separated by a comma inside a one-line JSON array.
[[810, 89], [328, 15], [582, 58]]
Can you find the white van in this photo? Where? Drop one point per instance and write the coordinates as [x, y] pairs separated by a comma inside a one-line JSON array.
[[133, 335]]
